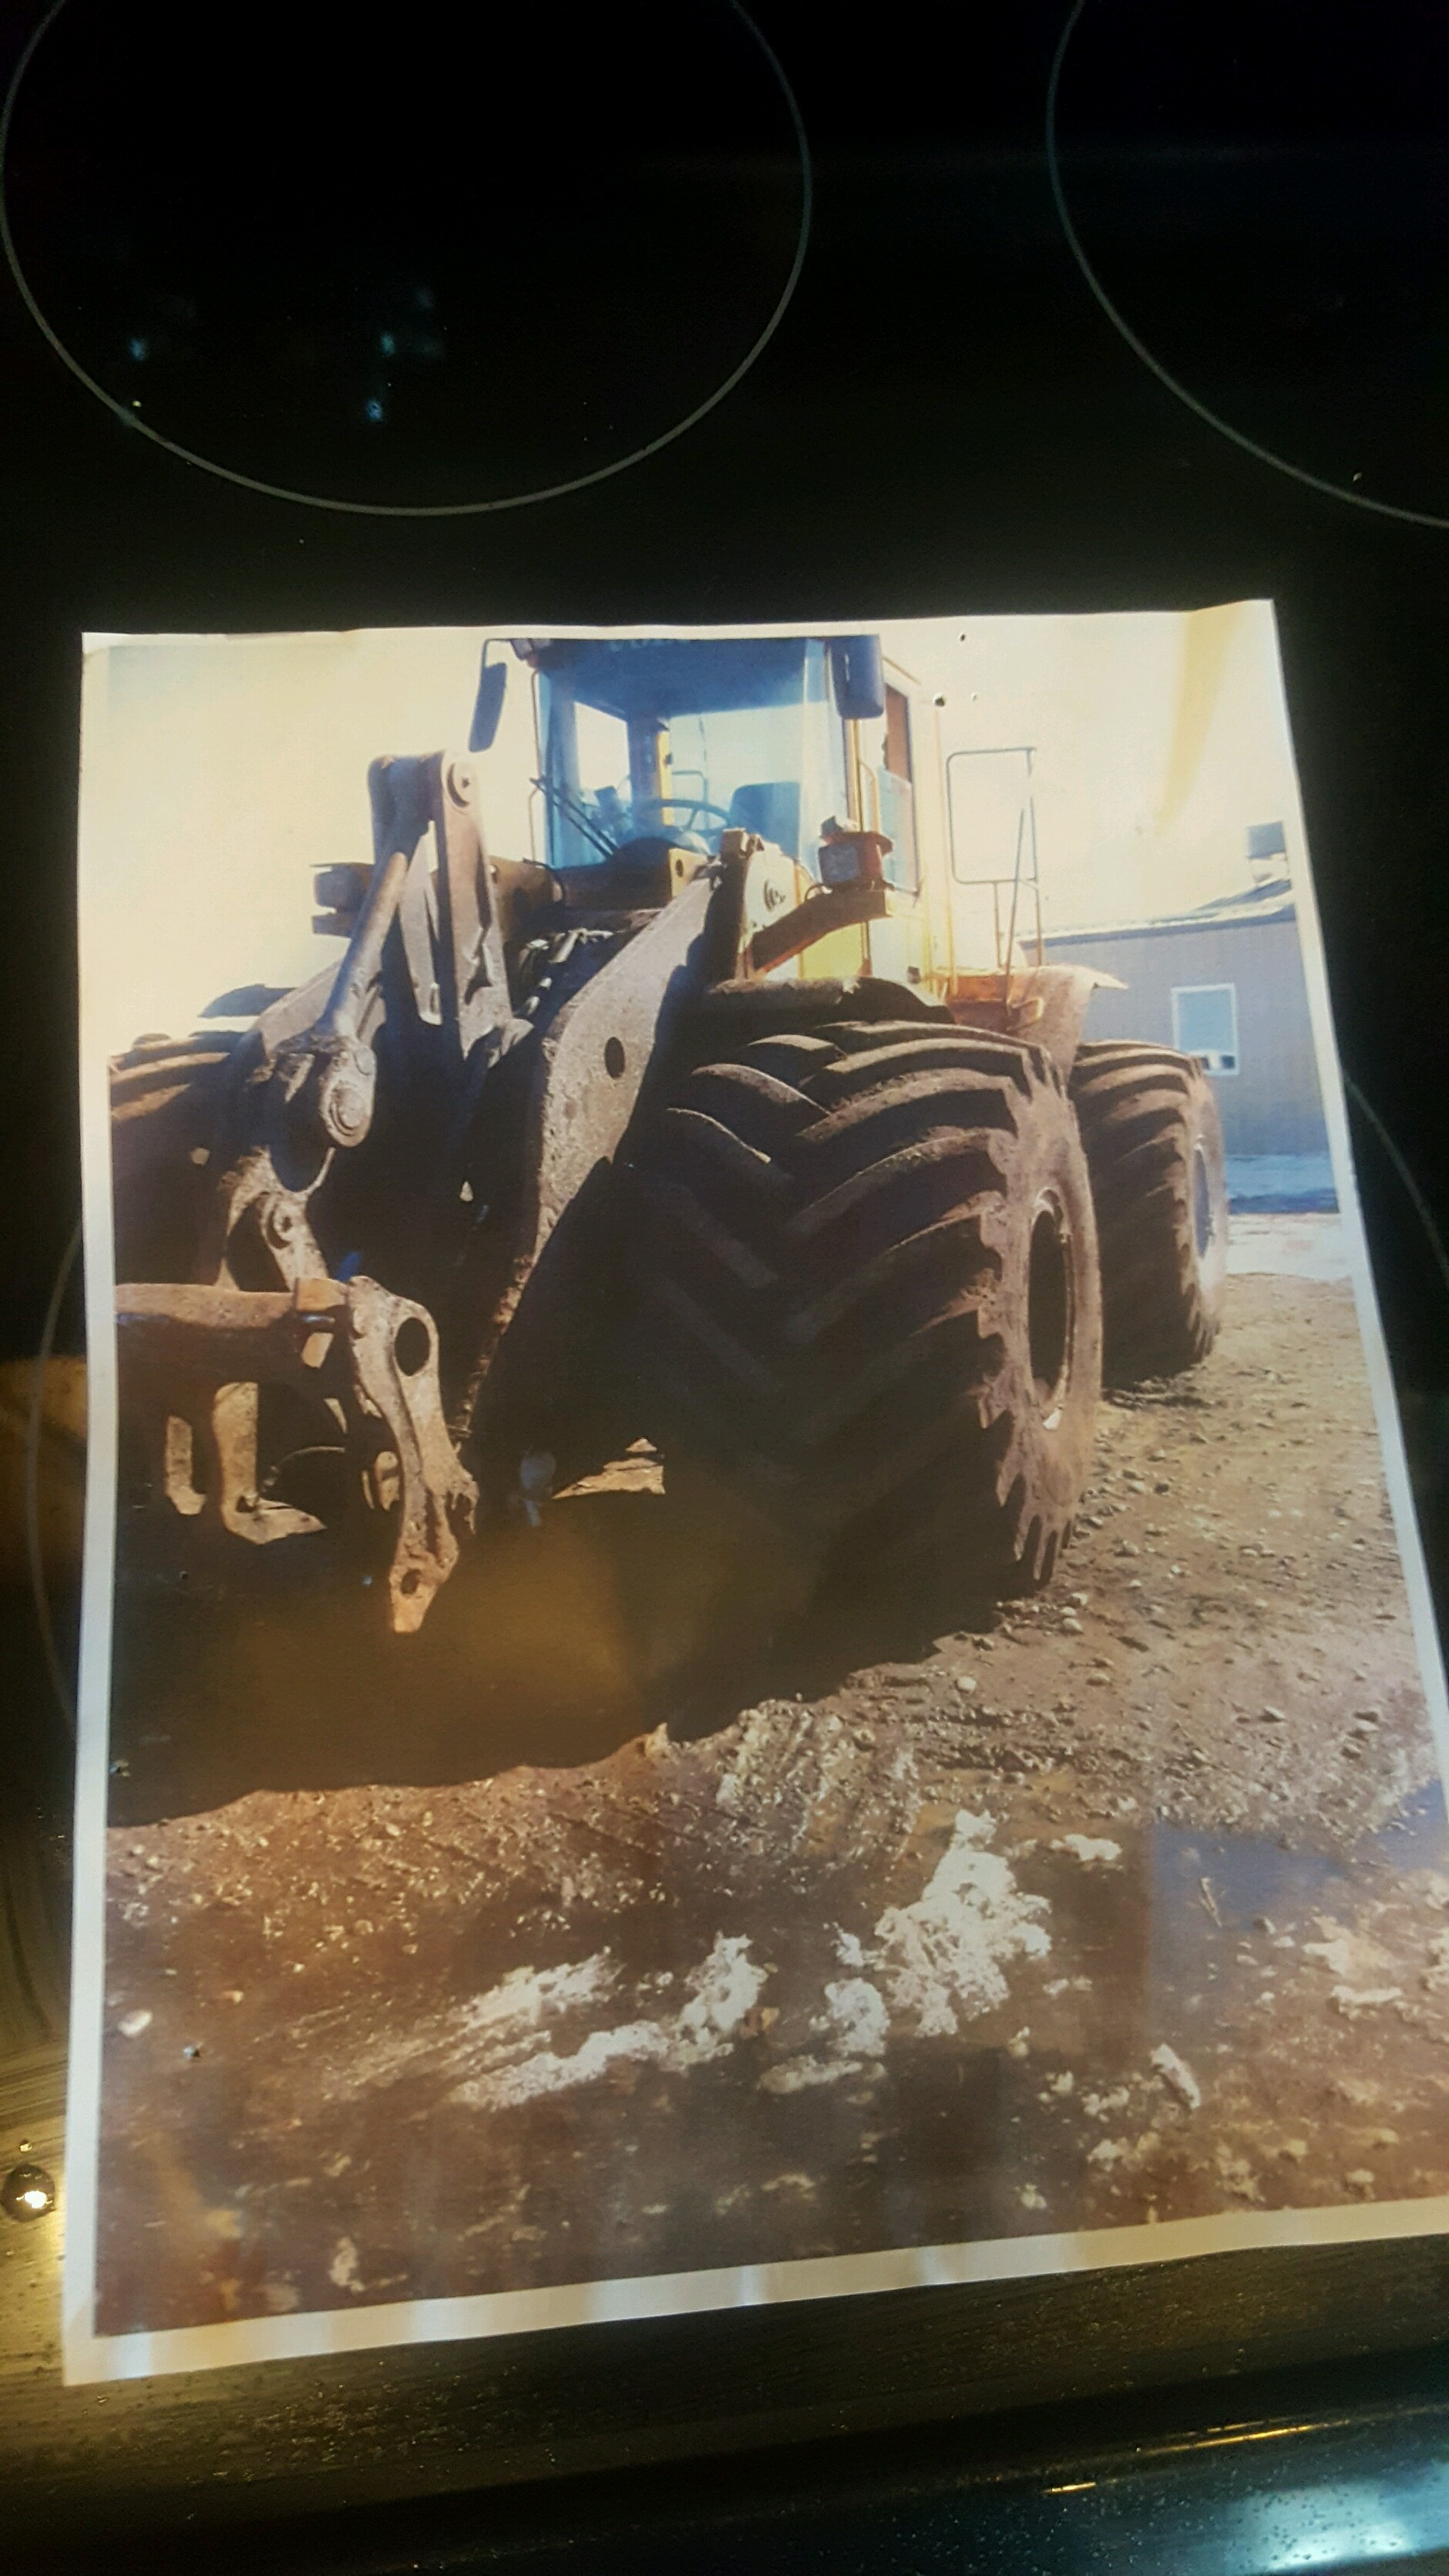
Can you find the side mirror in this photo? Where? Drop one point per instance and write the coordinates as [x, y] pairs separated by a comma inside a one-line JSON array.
[[859, 675], [487, 706]]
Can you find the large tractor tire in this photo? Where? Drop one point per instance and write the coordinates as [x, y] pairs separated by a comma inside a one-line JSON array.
[[165, 1094], [865, 1290], [1154, 1148]]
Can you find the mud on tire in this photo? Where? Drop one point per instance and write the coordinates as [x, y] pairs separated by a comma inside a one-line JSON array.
[[864, 1287], [1154, 1148], [165, 1093]]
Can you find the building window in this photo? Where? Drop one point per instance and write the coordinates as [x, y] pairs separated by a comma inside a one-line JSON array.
[[1205, 1023]]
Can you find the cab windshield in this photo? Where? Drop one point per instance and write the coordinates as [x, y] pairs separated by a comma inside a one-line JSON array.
[[680, 741]]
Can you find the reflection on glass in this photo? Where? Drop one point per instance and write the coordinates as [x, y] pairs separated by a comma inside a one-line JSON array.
[[681, 742]]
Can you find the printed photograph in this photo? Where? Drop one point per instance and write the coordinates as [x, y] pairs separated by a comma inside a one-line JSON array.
[[753, 1625]]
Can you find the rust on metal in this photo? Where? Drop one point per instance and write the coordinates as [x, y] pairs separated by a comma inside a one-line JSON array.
[[1045, 1005], [839, 907], [591, 1064], [393, 1356], [193, 1359]]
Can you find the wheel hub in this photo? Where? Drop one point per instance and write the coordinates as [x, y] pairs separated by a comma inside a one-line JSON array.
[[1049, 1304]]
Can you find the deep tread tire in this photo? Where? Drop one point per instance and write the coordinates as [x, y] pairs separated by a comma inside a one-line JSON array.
[[165, 1095], [852, 1255], [1154, 1147]]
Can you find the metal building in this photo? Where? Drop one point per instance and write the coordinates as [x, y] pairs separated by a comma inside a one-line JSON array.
[[1225, 982]]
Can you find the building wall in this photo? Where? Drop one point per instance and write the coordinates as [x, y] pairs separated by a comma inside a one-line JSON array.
[[1272, 1105]]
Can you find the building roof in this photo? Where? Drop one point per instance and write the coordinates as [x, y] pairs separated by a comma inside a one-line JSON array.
[[1259, 903]]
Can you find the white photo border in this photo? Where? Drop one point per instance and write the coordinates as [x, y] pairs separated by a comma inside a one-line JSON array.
[[90, 2357]]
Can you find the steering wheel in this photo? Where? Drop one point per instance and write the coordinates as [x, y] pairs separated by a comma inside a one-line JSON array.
[[691, 807]]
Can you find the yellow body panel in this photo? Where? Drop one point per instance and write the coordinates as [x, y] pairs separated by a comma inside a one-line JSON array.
[[932, 937], [840, 958]]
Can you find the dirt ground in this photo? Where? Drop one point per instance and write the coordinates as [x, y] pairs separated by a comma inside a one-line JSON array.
[[889, 1928]]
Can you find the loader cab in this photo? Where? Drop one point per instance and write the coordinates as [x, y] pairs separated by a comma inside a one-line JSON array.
[[660, 744]]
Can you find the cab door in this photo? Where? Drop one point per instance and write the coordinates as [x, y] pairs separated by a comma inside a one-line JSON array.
[[896, 947]]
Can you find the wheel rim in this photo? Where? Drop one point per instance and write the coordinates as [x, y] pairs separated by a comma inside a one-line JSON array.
[[1050, 1305], [1204, 1224]]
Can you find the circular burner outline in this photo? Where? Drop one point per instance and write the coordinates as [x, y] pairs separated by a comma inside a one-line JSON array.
[[419, 509], [1238, 437]]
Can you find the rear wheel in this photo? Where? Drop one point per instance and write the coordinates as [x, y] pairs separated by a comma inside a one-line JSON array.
[[1154, 1148], [864, 1282]]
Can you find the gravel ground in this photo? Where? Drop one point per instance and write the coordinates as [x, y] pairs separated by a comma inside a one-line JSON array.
[[1132, 1903]]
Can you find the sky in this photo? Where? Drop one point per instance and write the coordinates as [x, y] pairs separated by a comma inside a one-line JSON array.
[[218, 771], [1157, 739]]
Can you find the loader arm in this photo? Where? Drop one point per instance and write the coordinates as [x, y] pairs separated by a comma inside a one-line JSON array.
[[508, 1089]]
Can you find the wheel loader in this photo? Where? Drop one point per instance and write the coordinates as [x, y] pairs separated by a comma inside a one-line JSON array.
[[739, 1117]]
